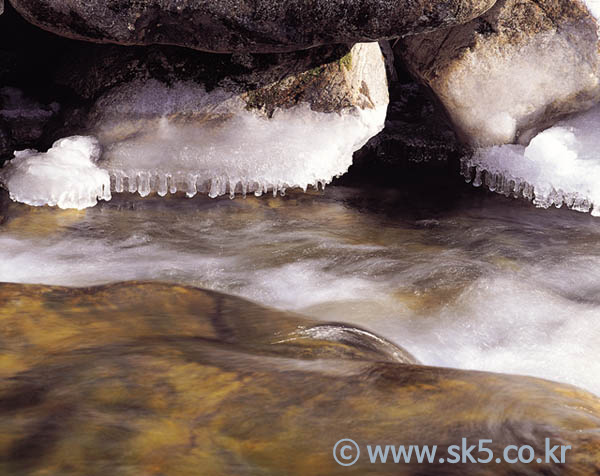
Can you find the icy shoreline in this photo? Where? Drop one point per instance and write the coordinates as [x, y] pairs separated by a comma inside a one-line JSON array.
[[247, 153], [560, 166]]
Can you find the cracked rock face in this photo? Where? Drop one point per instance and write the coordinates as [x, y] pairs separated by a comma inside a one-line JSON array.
[[259, 26], [513, 71]]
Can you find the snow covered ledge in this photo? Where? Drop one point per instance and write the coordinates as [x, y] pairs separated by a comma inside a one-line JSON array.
[[560, 166], [248, 153], [166, 138]]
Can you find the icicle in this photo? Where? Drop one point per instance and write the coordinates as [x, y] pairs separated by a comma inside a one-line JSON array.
[[581, 205], [477, 182], [172, 184], [466, 170], [214, 188], [162, 188], [191, 186], [144, 184], [132, 183], [118, 182]]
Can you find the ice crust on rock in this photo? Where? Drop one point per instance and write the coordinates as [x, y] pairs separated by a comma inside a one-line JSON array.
[[296, 148], [195, 141], [223, 153], [561, 165], [518, 68], [66, 176], [180, 135]]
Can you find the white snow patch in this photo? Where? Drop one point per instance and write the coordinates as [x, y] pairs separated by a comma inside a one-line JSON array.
[[66, 176]]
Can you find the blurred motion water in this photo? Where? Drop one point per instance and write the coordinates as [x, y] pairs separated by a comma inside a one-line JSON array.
[[461, 279]]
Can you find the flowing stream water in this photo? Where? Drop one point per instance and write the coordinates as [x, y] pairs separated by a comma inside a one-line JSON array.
[[458, 277]]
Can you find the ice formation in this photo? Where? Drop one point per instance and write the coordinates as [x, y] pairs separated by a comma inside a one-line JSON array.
[[180, 138], [165, 139], [66, 176], [247, 153], [561, 165]]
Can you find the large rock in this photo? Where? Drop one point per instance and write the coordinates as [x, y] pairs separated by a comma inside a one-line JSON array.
[[245, 25], [516, 69], [327, 79], [153, 379]]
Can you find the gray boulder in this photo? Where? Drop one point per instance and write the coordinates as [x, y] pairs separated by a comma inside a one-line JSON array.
[[513, 71], [245, 25]]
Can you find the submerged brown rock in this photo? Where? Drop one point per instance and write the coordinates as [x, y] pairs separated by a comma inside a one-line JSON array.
[[259, 26], [513, 71], [149, 378]]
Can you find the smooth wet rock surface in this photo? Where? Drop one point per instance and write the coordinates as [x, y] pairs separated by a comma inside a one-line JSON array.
[[245, 25], [513, 71], [147, 378]]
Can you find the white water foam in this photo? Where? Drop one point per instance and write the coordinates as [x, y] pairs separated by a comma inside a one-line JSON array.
[[66, 176], [561, 165], [512, 290]]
